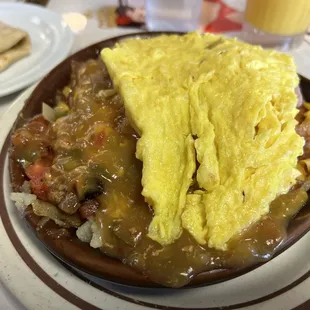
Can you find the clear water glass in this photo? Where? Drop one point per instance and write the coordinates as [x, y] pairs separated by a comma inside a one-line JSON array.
[[173, 15]]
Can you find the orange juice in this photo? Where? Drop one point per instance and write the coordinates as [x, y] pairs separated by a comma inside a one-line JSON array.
[[280, 17]]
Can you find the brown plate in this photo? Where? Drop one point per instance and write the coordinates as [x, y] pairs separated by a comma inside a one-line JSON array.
[[80, 255]]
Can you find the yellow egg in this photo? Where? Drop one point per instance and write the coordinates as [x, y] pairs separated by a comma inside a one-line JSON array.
[[228, 104]]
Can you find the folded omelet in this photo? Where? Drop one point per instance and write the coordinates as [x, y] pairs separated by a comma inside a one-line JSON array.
[[156, 103], [228, 104]]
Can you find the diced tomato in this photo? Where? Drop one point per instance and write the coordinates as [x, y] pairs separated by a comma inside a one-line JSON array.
[[36, 173], [21, 137], [37, 125], [39, 189], [46, 159], [41, 120]]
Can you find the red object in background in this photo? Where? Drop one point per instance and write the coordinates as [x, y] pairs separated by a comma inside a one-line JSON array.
[[130, 13], [123, 20], [228, 19]]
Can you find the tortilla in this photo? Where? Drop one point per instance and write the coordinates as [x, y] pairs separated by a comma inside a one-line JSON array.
[[20, 50], [10, 36]]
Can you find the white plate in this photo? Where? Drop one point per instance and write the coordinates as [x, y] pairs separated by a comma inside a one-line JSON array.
[[51, 41], [38, 281]]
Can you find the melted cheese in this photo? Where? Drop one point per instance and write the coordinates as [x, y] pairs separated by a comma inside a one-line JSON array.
[[238, 100]]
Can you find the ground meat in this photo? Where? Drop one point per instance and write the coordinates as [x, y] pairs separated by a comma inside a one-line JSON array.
[[89, 208], [69, 204]]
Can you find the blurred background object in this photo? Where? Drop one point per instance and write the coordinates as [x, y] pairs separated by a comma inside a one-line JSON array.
[[276, 24], [131, 13], [76, 21], [221, 15], [210, 15], [38, 2], [173, 15]]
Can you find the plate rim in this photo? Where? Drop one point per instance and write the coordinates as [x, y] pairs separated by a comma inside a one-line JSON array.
[[134, 282], [31, 91]]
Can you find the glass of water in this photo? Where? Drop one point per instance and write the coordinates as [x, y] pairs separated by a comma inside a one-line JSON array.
[[173, 15]]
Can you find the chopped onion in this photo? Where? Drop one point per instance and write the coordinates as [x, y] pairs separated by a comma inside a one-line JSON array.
[[26, 188], [42, 222], [300, 99], [48, 113], [106, 93], [61, 223], [42, 208]]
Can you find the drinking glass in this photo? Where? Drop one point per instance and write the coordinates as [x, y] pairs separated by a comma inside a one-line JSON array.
[[279, 24], [173, 15]]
